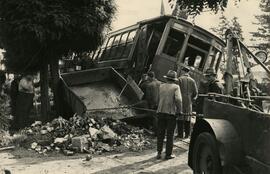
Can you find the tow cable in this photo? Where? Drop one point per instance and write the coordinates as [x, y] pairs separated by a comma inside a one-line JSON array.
[[132, 106]]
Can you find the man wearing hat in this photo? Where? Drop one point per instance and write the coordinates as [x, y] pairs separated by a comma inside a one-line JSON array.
[[189, 92], [213, 84], [170, 104]]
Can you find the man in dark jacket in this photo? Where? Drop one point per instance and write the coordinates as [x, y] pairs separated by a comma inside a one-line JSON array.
[[143, 83], [152, 90], [214, 85], [208, 85], [189, 92], [169, 105], [151, 96]]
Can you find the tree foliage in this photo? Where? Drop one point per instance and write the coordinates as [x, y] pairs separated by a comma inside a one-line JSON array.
[[236, 27], [222, 27], [197, 6], [262, 36], [34, 31], [177, 11], [225, 24]]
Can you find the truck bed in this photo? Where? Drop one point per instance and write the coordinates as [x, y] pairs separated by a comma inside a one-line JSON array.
[[98, 91]]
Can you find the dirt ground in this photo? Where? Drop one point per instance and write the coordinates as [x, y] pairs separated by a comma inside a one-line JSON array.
[[22, 161]]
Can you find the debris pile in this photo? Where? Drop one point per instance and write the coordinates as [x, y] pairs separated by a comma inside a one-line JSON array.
[[4, 112], [5, 138], [85, 134]]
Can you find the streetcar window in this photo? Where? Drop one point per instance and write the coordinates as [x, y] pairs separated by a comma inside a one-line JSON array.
[[196, 53], [174, 43]]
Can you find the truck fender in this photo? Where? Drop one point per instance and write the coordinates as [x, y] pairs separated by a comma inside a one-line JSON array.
[[228, 140]]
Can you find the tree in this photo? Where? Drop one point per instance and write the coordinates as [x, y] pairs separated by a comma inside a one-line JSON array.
[[197, 6], [220, 30], [36, 33], [225, 24], [222, 26], [177, 11], [236, 27], [262, 36]]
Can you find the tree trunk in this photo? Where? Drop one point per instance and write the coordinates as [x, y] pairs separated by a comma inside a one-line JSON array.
[[54, 66], [44, 86]]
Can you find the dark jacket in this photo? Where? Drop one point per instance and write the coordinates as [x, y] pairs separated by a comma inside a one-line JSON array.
[[152, 93], [189, 92], [143, 86], [216, 87]]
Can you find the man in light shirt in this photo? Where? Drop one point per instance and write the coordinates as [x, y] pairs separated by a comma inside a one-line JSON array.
[[26, 84]]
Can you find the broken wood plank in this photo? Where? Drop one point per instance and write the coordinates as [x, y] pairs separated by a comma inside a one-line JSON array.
[[7, 148]]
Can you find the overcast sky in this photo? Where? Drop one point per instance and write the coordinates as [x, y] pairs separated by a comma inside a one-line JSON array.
[[132, 11]]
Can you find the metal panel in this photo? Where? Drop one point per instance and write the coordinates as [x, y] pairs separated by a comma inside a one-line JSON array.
[[86, 76], [228, 141], [72, 100], [205, 38], [181, 27], [253, 127], [92, 76], [161, 65]]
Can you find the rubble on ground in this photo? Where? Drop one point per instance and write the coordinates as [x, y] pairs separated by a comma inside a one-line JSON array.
[[84, 134], [4, 112]]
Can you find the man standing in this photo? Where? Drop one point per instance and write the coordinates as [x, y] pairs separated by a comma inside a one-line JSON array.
[[208, 85], [151, 96], [24, 101], [189, 93], [252, 82], [213, 84], [143, 83], [170, 103], [152, 91]]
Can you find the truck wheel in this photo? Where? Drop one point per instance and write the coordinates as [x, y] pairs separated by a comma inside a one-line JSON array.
[[205, 157]]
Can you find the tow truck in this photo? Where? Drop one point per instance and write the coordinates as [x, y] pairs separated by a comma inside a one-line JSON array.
[[232, 130]]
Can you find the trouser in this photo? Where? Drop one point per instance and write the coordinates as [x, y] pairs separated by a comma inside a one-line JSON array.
[[183, 126], [24, 104], [166, 126], [153, 120], [155, 124]]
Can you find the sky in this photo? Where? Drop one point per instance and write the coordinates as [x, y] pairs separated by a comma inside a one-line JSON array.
[[131, 11]]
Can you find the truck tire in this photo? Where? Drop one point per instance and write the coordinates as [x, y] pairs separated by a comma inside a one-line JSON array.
[[205, 157]]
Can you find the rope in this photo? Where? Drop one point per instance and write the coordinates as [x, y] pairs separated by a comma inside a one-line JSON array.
[[114, 108]]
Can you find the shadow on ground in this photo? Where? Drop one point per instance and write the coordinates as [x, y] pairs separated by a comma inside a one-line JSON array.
[[146, 165]]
